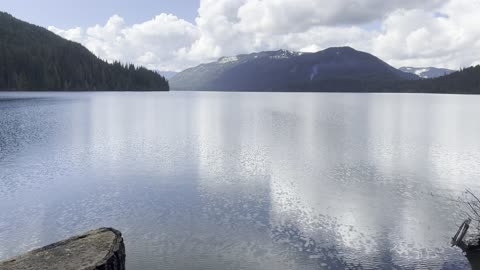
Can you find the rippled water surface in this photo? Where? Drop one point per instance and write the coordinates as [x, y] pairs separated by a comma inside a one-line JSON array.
[[242, 180]]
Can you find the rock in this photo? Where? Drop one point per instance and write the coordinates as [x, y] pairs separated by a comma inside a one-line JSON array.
[[101, 249]]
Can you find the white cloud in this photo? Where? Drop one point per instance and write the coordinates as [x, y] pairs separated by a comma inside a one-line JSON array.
[[74, 34], [430, 32], [285, 16], [418, 37], [154, 43]]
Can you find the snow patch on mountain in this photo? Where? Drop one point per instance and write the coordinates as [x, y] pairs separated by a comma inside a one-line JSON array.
[[285, 54], [420, 72], [230, 59], [427, 72]]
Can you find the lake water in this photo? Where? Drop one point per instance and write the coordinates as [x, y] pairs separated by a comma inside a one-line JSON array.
[[242, 180]]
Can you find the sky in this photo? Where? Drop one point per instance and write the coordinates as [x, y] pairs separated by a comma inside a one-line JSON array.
[[171, 35], [85, 13]]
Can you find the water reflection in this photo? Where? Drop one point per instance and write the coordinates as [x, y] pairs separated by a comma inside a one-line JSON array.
[[241, 180]]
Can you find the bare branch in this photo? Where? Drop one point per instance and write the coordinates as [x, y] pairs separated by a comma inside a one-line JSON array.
[[473, 195], [473, 209]]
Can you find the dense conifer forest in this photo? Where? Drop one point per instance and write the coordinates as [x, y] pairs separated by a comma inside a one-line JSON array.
[[465, 81], [33, 58]]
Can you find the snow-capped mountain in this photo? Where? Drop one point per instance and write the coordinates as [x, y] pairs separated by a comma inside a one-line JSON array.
[[336, 69], [427, 72]]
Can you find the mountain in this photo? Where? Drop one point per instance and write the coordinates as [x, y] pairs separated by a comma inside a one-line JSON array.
[[167, 74], [333, 69], [427, 72], [33, 58], [465, 81]]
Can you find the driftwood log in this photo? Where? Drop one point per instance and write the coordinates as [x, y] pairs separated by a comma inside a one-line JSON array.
[[470, 247], [101, 249], [458, 238]]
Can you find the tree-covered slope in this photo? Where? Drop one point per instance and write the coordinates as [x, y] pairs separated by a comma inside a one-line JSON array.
[[33, 58], [427, 72], [328, 70], [465, 81], [340, 69]]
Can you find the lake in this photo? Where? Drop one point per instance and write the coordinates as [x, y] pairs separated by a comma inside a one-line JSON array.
[[242, 180]]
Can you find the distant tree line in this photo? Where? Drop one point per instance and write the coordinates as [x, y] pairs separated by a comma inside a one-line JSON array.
[[465, 81], [33, 58]]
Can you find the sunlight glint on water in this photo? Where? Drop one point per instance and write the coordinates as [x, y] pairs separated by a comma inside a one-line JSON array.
[[241, 180]]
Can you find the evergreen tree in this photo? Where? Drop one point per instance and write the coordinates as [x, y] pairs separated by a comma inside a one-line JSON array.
[[33, 58]]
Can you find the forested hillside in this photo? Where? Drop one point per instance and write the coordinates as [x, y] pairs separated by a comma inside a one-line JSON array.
[[465, 81], [333, 69], [33, 58]]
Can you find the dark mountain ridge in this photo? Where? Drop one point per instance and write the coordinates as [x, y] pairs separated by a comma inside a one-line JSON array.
[[285, 71], [33, 58], [465, 81], [427, 72]]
